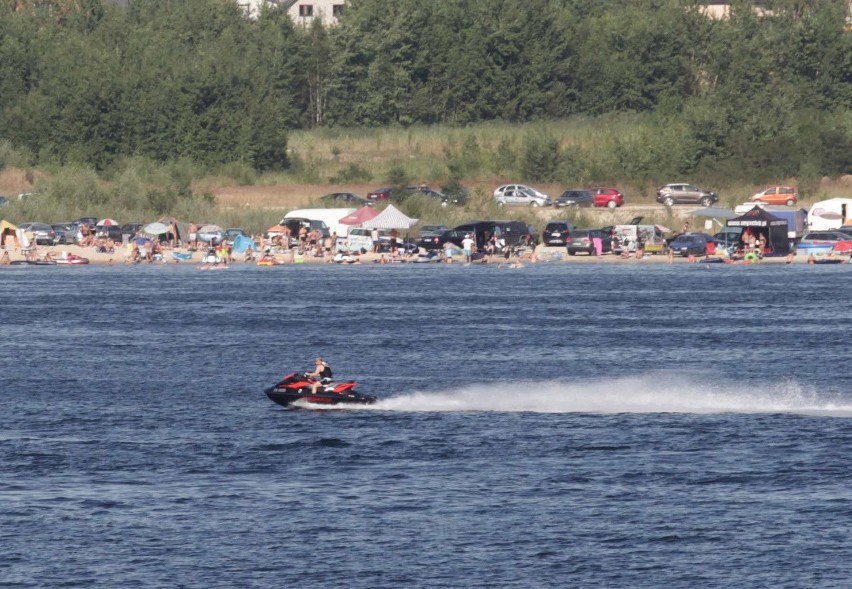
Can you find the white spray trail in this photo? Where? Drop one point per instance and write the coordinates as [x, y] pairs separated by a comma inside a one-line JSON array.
[[645, 394]]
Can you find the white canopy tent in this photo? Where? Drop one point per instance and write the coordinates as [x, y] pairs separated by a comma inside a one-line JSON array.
[[390, 218]]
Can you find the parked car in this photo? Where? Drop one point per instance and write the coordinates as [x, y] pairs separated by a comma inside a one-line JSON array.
[[694, 244], [557, 232], [626, 238], [380, 193], [581, 240], [112, 232], [213, 235], [296, 223], [576, 198], [519, 194], [90, 221], [43, 234], [131, 229], [777, 195], [349, 198], [516, 232], [456, 199], [728, 236], [360, 238], [481, 230], [671, 194], [66, 233], [428, 235], [232, 233], [812, 238], [608, 197]]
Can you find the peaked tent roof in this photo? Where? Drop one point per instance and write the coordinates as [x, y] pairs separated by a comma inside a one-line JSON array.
[[359, 216], [390, 218], [775, 227], [757, 217]]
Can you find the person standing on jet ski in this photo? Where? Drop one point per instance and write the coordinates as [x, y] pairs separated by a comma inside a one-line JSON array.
[[321, 374]]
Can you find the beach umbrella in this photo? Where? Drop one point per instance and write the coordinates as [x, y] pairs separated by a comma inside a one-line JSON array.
[[107, 223], [156, 228]]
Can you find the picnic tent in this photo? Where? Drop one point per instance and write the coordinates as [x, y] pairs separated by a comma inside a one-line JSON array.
[[390, 218], [359, 216], [8, 233], [242, 243], [181, 227], [764, 222]]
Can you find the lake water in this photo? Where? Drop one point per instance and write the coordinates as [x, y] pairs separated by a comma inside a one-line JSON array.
[[560, 425]]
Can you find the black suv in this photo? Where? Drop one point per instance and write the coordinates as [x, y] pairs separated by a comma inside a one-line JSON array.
[[581, 241], [557, 232], [516, 232], [482, 230]]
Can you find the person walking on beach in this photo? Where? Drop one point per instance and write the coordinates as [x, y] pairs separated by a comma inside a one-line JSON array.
[[374, 235], [193, 236], [467, 246]]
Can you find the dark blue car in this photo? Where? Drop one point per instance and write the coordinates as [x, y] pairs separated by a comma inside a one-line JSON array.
[[694, 244]]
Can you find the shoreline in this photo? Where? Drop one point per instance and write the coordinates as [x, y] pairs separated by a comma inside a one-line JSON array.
[[545, 255]]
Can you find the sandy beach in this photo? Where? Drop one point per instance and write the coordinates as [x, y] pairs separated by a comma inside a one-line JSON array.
[[545, 255]]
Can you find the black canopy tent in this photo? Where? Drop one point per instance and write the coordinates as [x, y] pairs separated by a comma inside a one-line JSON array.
[[763, 222]]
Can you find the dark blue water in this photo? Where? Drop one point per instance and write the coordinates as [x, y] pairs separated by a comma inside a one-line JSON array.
[[554, 426]]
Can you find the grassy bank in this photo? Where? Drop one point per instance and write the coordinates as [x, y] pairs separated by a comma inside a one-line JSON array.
[[617, 151]]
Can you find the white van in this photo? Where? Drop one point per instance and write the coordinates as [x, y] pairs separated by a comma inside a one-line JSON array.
[[627, 236], [830, 214], [330, 217]]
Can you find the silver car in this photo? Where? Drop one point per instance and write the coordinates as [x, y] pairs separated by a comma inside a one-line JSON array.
[[519, 194], [680, 193], [43, 234]]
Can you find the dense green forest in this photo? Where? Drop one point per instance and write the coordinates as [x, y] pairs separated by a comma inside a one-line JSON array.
[[99, 82]]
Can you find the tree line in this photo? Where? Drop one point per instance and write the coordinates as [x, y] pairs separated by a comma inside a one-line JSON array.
[[196, 79]]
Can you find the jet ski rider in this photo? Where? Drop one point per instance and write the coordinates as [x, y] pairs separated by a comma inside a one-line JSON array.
[[321, 374]]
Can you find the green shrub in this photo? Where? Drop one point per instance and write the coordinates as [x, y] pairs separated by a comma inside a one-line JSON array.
[[540, 157], [351, 173], [240, 172]]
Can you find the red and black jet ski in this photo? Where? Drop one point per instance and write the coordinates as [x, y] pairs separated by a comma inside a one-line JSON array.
[[295, 387]]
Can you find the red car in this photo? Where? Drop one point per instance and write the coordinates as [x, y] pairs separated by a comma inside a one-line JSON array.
[[379, 194], [608, 197]]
